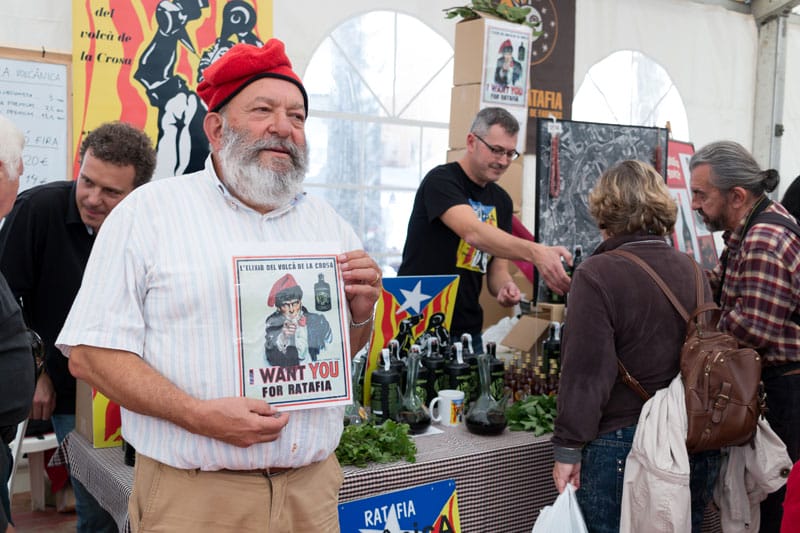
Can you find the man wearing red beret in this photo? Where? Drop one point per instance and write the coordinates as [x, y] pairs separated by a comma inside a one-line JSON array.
[[152, 325], [293, 334]]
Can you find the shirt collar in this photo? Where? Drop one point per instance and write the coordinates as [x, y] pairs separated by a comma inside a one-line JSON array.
[[73, 215]]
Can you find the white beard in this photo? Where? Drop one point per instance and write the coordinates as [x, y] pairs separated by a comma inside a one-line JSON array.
[[260, 184]]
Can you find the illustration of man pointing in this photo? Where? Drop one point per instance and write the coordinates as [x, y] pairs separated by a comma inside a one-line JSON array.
[[293, 335]]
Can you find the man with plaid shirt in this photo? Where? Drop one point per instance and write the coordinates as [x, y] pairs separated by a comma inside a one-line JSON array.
[[756, 282]]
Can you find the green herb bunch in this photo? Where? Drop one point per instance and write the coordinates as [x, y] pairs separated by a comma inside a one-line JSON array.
[[364, 443], [534, 413], [518, 15]]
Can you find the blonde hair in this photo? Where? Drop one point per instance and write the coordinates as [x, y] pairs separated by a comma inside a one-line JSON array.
[[631, 197]]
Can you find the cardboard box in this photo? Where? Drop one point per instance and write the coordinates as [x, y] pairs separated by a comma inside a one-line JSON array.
[[512, 181], [493, 312], [465, 102], [527, 334], [96, 417], [554, 312], [468, 60]]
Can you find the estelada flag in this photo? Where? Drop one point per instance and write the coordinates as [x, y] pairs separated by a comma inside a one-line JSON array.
[[410, 307]]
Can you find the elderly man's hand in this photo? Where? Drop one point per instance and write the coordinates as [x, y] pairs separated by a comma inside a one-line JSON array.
[[239, 421], [362, 283]]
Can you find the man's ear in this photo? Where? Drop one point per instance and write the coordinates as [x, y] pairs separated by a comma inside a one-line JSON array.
[[212, 126], [738, 197]]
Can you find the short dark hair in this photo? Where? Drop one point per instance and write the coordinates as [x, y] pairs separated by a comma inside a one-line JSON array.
[[121, 144], [489, 116]]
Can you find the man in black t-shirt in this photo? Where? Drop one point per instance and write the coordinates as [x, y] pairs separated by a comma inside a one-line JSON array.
[[461, 224]]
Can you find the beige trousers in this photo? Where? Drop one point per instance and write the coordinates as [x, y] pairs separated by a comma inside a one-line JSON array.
[[172, 500]]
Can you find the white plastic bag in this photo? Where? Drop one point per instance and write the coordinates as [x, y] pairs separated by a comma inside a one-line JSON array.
[[564, 516]]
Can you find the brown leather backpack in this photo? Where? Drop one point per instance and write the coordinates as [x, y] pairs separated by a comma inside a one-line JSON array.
[[722, 381]]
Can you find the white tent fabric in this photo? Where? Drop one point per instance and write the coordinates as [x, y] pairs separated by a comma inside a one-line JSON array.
[[708, 50]]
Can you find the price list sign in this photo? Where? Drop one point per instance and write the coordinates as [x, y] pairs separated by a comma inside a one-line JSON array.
[[33, 95]]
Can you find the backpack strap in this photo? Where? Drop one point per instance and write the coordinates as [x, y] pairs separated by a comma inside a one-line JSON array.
[[777, 220], [662, 285], [755, 212], [626, 377], [631, 381]]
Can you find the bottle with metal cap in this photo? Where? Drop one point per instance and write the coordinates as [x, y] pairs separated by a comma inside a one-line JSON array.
[[434, 363], [396, 361], [472, 360], [552, 357], [385, 390], [458, 372], [497, 371], [423, 374]]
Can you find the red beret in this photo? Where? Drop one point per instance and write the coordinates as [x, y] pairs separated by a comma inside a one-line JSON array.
[[285, 288], [242, 65]]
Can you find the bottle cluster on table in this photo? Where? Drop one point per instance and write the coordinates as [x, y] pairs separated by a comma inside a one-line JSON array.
[[535, 373], [438, 365]]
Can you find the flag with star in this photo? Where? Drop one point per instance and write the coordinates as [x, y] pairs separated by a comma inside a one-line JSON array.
[[408, 308]]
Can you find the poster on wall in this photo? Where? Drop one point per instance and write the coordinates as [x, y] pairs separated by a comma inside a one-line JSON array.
[[690, 235], [504, 76], [290, 330], [551, 62], [571, 156], [430, 508], [139, 61]]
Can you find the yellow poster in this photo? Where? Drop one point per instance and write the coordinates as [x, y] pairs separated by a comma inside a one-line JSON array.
[[139, 61]]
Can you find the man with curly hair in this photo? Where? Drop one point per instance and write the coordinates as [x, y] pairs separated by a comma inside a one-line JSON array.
[[44, 246]]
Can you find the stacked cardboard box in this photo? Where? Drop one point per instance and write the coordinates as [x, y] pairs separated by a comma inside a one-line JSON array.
[[470, 75]]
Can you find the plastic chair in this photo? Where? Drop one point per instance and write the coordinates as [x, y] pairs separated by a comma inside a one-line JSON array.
[[16, 453], [34, 448]]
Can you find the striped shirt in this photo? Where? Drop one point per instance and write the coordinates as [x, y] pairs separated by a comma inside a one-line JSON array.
[[762, 284], [158, 284]]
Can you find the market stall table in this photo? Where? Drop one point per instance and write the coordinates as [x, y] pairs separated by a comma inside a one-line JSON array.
[[502, 482]]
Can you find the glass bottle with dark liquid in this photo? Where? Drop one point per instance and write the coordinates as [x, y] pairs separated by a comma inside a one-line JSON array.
[[413, 410], [486, 416], [322, 294]]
